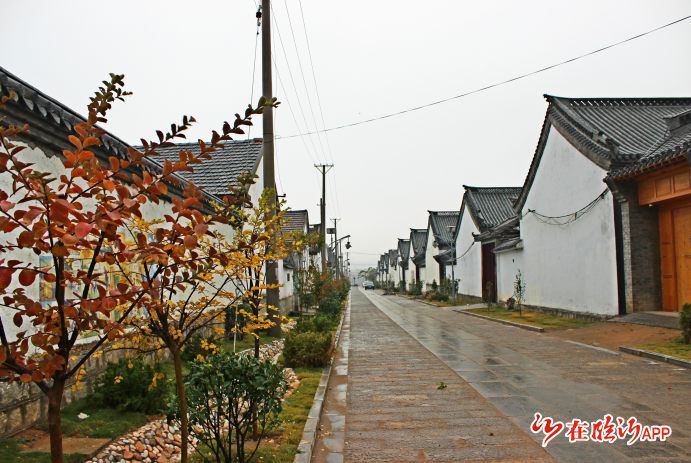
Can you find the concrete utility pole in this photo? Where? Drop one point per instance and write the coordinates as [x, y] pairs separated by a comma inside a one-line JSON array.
[[323, 169], [272, 295], [336, 246]]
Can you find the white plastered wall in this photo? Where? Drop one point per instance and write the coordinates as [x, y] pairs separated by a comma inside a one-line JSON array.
[[45, 163], [469, 267], [431, 265], [570, 267]]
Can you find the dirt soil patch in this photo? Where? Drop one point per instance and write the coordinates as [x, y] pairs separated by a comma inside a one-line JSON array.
[[612, 335]]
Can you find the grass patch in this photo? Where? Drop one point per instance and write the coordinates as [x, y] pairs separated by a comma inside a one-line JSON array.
[[10, 452], [539, 319], [101, 423], [675, 348], [293, 416]]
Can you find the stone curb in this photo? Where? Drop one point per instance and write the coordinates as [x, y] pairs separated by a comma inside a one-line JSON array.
[[428, 303], [309, 433], [655, 356], [503, 322]]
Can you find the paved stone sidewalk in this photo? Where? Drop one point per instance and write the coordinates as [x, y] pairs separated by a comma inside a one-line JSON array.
[[521, 372], [396, 413]]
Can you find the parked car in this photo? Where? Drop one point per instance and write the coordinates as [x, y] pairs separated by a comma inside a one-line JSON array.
[[368, 285]]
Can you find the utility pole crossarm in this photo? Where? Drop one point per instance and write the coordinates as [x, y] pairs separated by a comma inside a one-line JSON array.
[[323, 169]]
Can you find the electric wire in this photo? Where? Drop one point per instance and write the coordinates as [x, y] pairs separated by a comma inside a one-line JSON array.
[[554, 220], [319, 104], [502, 82], [254, 69], [304, 81], [336, 206], [297, 95]]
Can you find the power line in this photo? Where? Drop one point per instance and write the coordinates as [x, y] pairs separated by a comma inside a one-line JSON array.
[[254, 68], [500, 83], [304, 82], [290, 72], [319, 104]]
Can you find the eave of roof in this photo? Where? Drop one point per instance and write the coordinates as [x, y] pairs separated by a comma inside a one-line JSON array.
[[59, 116]]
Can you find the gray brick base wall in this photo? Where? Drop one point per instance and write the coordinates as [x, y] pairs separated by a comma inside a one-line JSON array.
[[562, 312], [642, 262]]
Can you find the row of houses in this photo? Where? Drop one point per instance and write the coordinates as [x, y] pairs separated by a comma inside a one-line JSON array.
[[52, 122], [600, 227]]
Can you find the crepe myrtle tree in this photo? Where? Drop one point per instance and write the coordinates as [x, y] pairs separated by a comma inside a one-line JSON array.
[[80, 212]]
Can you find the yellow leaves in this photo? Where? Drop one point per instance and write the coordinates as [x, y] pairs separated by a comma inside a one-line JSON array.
[[200, 357], [118, 379]]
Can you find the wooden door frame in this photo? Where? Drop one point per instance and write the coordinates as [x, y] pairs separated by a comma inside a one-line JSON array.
[[666, 210], [493, 271]]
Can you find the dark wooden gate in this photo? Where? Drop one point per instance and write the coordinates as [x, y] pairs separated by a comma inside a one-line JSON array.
[[489, 272]]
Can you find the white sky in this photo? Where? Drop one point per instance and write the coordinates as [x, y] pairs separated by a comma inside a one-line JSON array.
[[370, 59]]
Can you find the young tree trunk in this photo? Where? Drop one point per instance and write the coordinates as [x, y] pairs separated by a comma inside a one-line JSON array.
[[55, 421], [182, 402]]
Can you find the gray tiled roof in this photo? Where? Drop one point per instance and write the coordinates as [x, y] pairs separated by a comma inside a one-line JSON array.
[[46, 114], [490, 206], [418, 241], [621, 135], [675, 142], [296, 220], [635, 124], [440, 223], [215, 175], [404, 250], [393, 257]]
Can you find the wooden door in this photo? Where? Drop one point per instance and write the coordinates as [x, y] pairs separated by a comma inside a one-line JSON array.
[[669, 281], [682, 247], [489, 271]]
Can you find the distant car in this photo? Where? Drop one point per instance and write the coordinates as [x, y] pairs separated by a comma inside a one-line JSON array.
[[368, 285], [355, 284]]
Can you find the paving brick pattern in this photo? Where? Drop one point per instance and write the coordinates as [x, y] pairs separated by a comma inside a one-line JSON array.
[[396, 413], [521, 372]]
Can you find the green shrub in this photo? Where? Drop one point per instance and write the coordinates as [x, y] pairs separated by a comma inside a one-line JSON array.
[[330, 306], [231, 389], [307, 349], [304, 325], [685, 322], [131, 388], [416, 288], [441, 297], [323, 322]]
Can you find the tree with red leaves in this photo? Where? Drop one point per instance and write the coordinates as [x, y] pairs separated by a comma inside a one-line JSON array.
[[82, 211]]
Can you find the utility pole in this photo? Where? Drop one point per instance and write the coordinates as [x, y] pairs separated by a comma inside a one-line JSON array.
[[336, 246], [323, 168], [272, 295]]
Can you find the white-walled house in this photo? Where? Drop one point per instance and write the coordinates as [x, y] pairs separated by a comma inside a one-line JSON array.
[[405, 264], [442, 230], [296, 221], [394, 275], [585, 246], [51, 123], [418, 244], [481, 210]]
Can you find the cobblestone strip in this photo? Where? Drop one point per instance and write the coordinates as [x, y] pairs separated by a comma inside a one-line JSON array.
[[522, 372], [311, 447], [397, 413]]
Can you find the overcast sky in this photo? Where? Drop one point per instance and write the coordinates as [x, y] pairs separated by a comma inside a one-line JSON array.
[[370, 59]]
